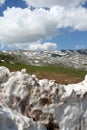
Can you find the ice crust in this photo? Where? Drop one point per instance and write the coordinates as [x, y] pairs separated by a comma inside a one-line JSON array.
[[27, 103]]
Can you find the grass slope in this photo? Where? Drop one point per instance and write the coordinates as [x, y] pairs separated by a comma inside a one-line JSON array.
[[60, 74]]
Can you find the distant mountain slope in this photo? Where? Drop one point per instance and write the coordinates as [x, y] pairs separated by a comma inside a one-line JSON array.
[[67, 58]]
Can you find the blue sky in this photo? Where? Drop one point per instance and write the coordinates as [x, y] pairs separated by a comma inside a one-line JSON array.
[[63, 26]]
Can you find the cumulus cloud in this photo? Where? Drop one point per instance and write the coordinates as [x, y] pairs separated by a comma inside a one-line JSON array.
[[2, 2], [76, 18], [42, 47], [23, 25], [50, 3], [35, 46]]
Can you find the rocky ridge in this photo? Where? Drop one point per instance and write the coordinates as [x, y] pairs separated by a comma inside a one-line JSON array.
[[27, 103], [67, 58]]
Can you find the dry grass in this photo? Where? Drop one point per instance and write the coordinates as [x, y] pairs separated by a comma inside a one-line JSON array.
[[60, 78]]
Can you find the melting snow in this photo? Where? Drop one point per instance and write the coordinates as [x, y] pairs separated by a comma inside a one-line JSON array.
[[27, 103]]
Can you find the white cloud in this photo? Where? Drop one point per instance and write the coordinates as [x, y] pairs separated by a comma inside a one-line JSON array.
[[50, 3], [34, 46], [23, 25], [2, 2], [42, 47], [76, 18]]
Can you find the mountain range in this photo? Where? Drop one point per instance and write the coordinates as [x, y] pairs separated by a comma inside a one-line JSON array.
[[66, 58]]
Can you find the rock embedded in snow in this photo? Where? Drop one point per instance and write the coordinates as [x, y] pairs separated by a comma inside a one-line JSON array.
[[41, 104]]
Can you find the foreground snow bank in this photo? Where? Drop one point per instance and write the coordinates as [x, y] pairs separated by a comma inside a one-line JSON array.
[[10, 120], [27, 103]]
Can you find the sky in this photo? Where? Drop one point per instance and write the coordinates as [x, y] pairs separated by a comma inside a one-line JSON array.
[[43, 24]]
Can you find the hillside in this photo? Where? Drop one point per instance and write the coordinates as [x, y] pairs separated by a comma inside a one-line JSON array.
[[67, 58], [62, 66]]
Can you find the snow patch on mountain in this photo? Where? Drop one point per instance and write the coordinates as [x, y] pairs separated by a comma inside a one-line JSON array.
[[67, 58]]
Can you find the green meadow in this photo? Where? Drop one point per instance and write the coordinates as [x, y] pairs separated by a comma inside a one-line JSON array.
[[59, 74]]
